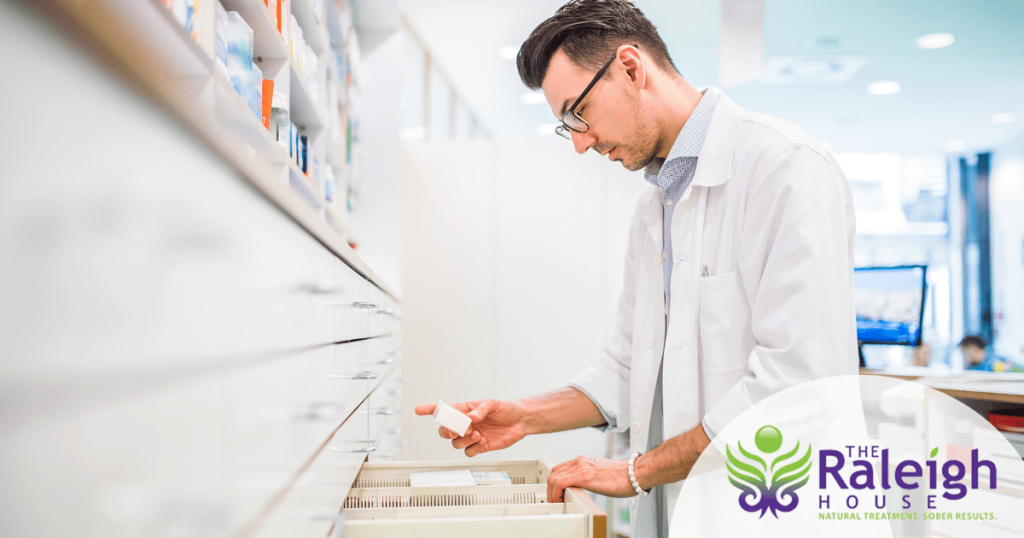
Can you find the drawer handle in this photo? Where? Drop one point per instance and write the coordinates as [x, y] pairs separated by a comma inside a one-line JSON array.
[[373, 445], [381, 411], [379, 361], [368, 374], [390, 312], [355, 304]]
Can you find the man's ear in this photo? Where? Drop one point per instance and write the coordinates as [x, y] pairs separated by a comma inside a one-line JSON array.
[[634, 65]]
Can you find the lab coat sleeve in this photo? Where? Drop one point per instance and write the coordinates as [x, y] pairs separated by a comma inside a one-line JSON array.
[[795, 263], [606, 383]]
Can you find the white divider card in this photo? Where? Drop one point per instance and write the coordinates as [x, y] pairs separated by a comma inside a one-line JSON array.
[[435, 479], [492, 478]]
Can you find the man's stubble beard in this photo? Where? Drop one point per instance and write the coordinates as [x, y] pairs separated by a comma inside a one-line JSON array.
[[644, 149]]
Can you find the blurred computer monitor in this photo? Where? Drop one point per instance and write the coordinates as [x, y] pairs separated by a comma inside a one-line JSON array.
[[890, 304]]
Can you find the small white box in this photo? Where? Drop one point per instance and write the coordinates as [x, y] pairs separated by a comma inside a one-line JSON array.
[[451, 418]]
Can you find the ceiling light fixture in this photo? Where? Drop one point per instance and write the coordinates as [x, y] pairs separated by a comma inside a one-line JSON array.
[[1004, 117], [508, 52], [532, 98], [936, 41], [884, 87]]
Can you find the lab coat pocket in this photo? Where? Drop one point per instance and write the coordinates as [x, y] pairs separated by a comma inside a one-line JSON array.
[[725, 334]]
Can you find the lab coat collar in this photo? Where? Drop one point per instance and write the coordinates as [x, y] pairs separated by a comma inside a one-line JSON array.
[[714, 166]]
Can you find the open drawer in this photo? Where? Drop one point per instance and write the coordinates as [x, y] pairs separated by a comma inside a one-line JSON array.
[[382, 503]]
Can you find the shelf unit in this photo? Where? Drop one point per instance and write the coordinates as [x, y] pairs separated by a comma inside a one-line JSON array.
[[230, 353], [183, 72]]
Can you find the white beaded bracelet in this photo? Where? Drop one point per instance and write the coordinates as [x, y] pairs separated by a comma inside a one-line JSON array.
[[632, 477]]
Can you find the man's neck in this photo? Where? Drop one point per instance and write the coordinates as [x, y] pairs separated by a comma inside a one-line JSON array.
[[677, 103]]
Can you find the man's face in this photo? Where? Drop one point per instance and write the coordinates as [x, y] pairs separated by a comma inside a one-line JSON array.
[[973, 354], [613, 108]]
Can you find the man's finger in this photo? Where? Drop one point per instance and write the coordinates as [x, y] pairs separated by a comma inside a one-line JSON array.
[[425, 409], [477, 448], [445, 433], [556, 488], [466, 440]]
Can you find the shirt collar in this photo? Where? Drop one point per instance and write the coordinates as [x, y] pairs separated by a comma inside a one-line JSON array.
[[690, 139]]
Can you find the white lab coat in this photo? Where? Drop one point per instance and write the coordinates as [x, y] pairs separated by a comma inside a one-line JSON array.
[[770, 214]]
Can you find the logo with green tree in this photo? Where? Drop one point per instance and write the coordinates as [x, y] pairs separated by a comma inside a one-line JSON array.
[[766, 486]]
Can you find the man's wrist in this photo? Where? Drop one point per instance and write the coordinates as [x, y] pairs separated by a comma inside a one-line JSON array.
[[533, 422], [641, 470]]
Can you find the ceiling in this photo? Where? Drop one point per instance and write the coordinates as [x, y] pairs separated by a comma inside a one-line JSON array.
[[948, 94]]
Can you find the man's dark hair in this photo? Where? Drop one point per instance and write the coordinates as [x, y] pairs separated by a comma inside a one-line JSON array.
[[971, 340], [589, 31]]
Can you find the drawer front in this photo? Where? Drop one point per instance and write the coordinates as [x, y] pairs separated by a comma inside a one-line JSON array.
[[384, 355], [388, 396], [349, 304], [311, 505], [179, 265], [140, 467], [208, 453], [282, 412], [379, 318]]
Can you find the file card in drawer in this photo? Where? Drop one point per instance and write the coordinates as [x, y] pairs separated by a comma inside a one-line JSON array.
[[382, 504]]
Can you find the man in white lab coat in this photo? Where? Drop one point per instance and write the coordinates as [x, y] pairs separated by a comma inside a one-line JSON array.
[[738, 277]]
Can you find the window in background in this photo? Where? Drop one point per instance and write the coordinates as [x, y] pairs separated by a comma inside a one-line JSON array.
[[902, 203], [1006, 190]]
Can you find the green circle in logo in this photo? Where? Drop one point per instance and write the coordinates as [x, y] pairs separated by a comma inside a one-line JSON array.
[[768, 439]]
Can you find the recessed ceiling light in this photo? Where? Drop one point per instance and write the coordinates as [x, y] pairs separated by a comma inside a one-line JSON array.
[[508, 52], [545, 129], [532, 98], [936, 41], [1004, 117], [884, 87], [955, 145]]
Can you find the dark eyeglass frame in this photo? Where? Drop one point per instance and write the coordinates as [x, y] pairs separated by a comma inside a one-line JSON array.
[[572, 121]]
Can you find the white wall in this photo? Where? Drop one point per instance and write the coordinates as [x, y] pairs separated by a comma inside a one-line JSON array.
[[512, 254]]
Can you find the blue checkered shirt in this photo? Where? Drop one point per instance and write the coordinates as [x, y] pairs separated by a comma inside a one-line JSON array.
[[674, 175]]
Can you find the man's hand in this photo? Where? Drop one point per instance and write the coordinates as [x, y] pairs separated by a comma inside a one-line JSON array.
[[607, 477], [496, 424]]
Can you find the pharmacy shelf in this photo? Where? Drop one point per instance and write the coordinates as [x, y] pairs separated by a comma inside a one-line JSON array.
[[312, 32], [186, 57], [233, 115], [335, 32], [301, 183], [336, 155], [304, 111], [269, 49], [152, 50]]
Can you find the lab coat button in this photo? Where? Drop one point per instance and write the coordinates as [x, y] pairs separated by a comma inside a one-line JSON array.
[[636, 427], [649, 342]]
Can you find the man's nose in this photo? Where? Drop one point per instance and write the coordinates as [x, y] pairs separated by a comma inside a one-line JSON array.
[[582, 141]]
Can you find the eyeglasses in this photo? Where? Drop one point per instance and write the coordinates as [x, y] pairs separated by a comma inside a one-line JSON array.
[[571, 121]]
